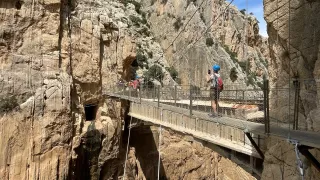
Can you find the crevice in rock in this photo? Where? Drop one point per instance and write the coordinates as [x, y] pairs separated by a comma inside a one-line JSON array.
[[61, 27]]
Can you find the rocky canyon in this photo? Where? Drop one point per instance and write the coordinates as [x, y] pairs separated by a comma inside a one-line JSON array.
[[59, 57]]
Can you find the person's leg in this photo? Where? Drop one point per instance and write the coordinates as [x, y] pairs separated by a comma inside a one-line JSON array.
[[213, 102], [214, 106]]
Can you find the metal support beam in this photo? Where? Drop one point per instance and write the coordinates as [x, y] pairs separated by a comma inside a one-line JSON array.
[[305, 151], [266, 106], [158, 95], [255, 145], [190, 97]]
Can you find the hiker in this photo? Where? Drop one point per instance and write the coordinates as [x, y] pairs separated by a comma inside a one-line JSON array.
[[215, 88], [136, 83]]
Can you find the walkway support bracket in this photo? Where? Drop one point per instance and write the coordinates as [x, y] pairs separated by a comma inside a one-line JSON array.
[[255, 145], [305, 151]]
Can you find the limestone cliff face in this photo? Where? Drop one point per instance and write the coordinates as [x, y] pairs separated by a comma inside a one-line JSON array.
[[182, 156], [294, 42], [57, 58], [51, 54], [215, 34]]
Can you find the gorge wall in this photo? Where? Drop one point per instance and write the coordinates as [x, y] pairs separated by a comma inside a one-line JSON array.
[[57, 58], [294, 39], [210, 32]]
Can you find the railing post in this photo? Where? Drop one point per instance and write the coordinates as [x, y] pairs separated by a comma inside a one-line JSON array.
[[154, 92], [175, 95], [236, 95], [296, 84], [190, 97], [158, 95], [243, 95], [140, 93], [266, 106]]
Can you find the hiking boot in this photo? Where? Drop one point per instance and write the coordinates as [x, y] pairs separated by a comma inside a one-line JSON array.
[[213, 115]]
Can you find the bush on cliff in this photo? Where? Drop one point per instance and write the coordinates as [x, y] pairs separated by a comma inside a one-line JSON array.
[[8, 104]]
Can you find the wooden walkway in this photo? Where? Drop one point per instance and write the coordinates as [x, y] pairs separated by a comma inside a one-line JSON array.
[[224, 131]]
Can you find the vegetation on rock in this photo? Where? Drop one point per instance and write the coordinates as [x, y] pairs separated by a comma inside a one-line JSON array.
[[233, 74], [209, 41], [8, 104], [154, 73], [177, 24]]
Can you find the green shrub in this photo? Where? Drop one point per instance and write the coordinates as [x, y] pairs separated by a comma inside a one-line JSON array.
[[135, 20], [260, 85], [150, 54], [250, 80], [209, 41], [141, 58], [243, 11], [202, 17], [233, 74], [164, 1], [189, 1], [8, 103], [136, 4], [154, 73], [177, 24], [173, 72], [232, 54]]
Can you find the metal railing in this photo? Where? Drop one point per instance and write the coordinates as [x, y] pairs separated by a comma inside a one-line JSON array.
[[236, 100], [289, 107]]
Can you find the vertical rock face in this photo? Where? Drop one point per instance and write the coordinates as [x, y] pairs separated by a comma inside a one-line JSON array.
[[182, 156], [51, 64], [216, 33], [294, 41]]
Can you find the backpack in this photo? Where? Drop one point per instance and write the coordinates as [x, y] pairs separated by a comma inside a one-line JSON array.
[[219, 83]]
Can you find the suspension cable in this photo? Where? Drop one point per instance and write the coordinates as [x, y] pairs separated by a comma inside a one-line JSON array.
[[289, 36], [125, 162], [159, 158]]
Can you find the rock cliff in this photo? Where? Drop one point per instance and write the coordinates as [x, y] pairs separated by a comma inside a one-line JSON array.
[[294, 39], [209, 32], [57, 58]]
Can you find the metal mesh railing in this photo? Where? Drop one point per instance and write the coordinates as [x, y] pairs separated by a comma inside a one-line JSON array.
[[291, 106], [235, 101]]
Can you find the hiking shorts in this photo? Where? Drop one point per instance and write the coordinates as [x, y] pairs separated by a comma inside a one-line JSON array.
[[214, 94]]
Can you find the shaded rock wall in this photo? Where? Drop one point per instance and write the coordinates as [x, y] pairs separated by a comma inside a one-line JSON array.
[[294, 41], [182, 157]]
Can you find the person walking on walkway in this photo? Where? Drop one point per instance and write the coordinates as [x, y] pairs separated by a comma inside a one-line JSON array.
[[216, 86]]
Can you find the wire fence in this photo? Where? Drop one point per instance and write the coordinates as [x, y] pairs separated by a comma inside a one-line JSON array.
[[234, 101], [292, 105], [289, 106]]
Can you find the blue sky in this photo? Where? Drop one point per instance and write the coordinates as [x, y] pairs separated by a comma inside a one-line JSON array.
[[256, 7]]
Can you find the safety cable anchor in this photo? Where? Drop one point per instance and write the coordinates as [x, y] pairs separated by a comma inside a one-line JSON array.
[[299, 161]]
